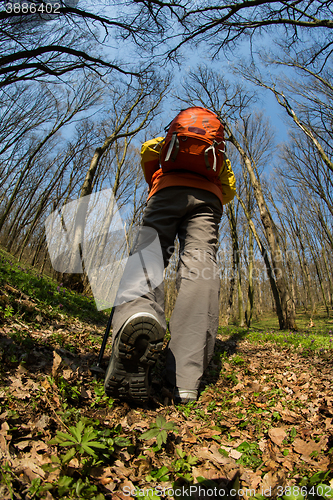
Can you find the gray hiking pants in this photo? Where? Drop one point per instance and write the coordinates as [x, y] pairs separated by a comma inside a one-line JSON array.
[[194, 215]]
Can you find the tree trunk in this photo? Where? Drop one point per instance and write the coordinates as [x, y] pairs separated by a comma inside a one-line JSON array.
[[270, 274], [236, 259], [329, 278], [250, 292], [286, 315]]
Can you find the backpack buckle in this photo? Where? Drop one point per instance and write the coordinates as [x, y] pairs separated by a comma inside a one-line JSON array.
[[174, 144], [211, 148]]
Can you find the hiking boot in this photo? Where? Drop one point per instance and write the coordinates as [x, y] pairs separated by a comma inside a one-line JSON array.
[[135, 351], [184, 396]]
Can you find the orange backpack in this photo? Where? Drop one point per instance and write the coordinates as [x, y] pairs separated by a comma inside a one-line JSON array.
[[195, 142]]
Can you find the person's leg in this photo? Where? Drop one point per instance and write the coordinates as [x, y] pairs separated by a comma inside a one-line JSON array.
[[139, 323], [194, 321], [163, 214]]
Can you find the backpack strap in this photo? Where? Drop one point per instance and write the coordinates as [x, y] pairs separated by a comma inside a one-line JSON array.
[[213, 149], [173, 148]]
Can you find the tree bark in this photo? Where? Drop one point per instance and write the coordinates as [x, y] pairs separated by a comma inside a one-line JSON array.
[[286, 315]]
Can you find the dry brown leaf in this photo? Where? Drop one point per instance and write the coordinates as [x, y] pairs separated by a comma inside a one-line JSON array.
[[140, 426], [262, 444], [22, 445], [188, 437], [207, 472], [328, 423], [255, 386], [213, 455], [288, 465], [207, 433], [305, 448], [3, 444], [255, 478], [5, 438], [289, 416], [277, 435], [43, 422], [128, 485], [28, 466], [56, 363], [235, 454], [239, 387], [46, 385], [271, 481], [67, 374]]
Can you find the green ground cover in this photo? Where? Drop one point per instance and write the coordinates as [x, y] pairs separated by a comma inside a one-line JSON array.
[[261, 428]]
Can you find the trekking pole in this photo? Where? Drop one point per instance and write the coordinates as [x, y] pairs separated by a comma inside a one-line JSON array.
[[97, 367]]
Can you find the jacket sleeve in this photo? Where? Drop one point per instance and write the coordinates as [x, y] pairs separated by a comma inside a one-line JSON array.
[[150, 157], [228, 181]]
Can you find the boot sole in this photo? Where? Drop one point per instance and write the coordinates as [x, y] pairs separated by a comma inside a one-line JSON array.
[[135, 352]]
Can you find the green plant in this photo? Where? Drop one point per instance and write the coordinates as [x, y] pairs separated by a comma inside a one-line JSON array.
[[81, 440], [159, 430], [91, 448], [6, 478], [69, 488], [158, 475], [232, 376], [251, 454], [183, 465], [292, 434], [8, 312], [149, 494], [211, 406], [100, 396], [68, 392], [37, 489], [187, 409], [316, 486], [237, 360]]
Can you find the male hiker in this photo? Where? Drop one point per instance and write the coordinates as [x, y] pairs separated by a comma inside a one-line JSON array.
[[189, 180]]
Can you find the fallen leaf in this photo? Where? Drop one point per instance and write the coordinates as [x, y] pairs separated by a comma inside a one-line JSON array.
[[213, 456], [271, 481], [307, 447], [277, 435], [56, 363], [206, 472], [235, 454], [22, 445], [67, 374], [29, 467], [42, 422]]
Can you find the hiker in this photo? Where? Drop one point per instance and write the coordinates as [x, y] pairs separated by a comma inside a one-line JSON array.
[[189, 180]]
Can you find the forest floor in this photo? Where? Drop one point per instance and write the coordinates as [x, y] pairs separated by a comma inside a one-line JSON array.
[[262, 427]]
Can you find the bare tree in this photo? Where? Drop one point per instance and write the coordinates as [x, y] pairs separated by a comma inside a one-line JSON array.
[[133, 109], [231, 214], [86, 95], [222, 26], [37, 44]]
